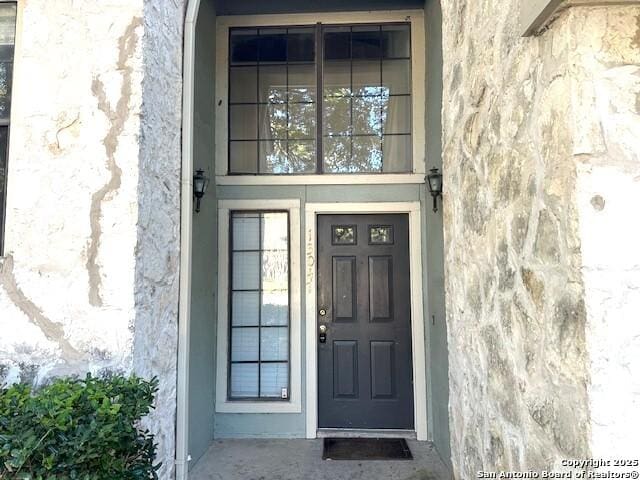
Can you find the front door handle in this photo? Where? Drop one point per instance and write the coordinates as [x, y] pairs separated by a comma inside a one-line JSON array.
[[322, 336]]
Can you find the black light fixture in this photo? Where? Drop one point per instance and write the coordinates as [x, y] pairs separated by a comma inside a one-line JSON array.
[[200, 182], [435, 186]]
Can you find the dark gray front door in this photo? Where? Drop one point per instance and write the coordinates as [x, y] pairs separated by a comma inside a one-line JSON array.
[[365, 375]]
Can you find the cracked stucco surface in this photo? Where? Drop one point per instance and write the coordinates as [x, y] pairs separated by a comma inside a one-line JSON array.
[[531, 127], [90, 278], [58, 161], [117, 117]]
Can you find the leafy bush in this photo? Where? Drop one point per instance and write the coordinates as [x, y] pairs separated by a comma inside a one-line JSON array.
[[77, 429]]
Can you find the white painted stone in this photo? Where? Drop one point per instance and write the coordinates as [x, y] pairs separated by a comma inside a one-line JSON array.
[[541, 273]]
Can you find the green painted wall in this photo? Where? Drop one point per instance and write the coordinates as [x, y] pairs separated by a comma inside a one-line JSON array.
[[203, 304], [293, 425], [438, 373]]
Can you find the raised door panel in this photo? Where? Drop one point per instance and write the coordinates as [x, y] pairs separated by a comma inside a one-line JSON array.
[[345, 369], [344, 289], [382, 370], [381, 288]]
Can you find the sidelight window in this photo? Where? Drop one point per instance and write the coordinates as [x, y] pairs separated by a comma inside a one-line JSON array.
[[321, 99], [7, 41], [259, 307]]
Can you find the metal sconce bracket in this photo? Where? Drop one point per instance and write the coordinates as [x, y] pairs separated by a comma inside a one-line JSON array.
[[434, 182]]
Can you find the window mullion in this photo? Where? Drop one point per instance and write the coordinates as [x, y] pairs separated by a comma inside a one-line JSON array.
[[258, 105], [381, 100], [319, 98], [351, 94], [260, 296], [286, 130]]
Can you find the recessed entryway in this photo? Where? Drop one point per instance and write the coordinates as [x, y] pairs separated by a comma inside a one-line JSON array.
[[252, 459]]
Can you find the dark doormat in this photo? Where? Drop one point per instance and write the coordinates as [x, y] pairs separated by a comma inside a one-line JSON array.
[[366, 449]]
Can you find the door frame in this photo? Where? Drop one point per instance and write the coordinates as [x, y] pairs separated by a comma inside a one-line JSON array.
[[418, 339]]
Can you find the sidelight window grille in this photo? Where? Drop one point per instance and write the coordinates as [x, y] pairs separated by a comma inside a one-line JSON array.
[[259, 310], [321, 99], [7, 42]]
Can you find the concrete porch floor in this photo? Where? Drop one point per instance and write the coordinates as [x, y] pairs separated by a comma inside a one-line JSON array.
[[298, 459]]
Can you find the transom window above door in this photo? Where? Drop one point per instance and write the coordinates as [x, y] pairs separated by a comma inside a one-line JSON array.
[[320, 99]]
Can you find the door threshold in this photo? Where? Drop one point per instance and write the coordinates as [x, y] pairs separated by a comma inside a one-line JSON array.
[[365, 433]]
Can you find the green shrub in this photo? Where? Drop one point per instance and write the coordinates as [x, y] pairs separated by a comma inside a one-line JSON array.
[[77, 429]]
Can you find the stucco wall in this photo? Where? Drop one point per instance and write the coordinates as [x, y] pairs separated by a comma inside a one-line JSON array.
[[89, 281], [72, 190], [529, 125]]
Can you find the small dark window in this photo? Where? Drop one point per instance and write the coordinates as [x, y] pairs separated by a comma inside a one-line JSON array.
[[344, 235], [273, 46], [7, 41], [366, 42], [381, 235], [337, 43], [272, 101]]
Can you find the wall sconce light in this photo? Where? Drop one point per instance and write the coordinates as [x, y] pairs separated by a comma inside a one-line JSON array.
[[435, 186], [200, 182]]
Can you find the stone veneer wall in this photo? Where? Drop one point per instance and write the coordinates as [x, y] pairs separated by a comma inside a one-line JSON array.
[[523, 121], [607, 66], [89, 281]]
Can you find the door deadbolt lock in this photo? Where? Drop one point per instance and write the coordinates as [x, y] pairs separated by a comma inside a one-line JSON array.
[[322, 312], [322, 337]]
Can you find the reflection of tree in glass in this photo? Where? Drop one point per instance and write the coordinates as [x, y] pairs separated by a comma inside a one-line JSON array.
[[277, 95], [355, 127], [295, 122], [301, 94], [302, 121], [337, 116], [344, 235], [275, 268], [368, 115]]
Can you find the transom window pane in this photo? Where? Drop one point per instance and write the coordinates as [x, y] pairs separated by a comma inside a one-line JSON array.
[[365, 90], [259, 305], [272, 101], [380, 234], [344, 235], [367, 99]]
